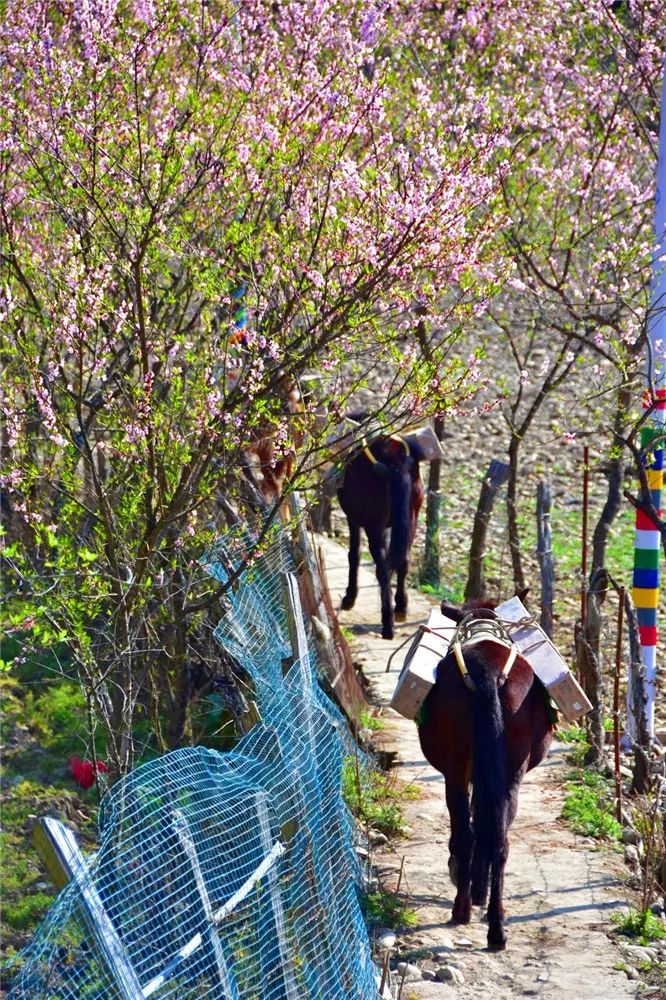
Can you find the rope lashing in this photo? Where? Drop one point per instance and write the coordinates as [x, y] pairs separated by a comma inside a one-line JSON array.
[[416, 635], [473, 629]]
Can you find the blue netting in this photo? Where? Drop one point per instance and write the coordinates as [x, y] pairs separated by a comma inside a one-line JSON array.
[[224, 875]]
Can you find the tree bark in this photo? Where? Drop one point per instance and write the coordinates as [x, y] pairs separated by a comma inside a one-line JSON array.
[[430, 571], [545, 554], [512, 517], [588, 656], [615, 470], [495, 477]]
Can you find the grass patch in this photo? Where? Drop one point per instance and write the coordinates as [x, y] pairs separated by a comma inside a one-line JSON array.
[[24, 913], [576, 738], [386, 909], [453, 593], [588, 806], [572, 734], [372, 722], [374, 797], [642, 925]]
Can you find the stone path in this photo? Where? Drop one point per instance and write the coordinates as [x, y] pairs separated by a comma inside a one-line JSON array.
[[561, 889]]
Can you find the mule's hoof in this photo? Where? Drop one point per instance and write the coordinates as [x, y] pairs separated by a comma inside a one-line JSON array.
[[496, 941], [348, 602], [401, 616], [387, 633]]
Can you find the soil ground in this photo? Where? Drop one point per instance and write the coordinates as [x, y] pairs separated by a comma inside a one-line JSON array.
[[561, 889]]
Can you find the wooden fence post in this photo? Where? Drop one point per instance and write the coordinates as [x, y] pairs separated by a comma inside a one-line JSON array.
[[57, 847], [545, 554]]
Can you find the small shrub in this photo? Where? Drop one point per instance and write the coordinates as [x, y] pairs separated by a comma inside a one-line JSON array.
[[571, 734], [375, 798], [25, 912], [387, 909], [576, 737], [642, 925], [587, 808], [368, 721]]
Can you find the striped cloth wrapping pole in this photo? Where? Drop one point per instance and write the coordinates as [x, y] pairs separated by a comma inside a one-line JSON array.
[[647, 553], [648, 542]]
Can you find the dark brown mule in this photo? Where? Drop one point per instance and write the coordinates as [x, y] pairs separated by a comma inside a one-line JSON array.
[[489, 737], [382, 494]]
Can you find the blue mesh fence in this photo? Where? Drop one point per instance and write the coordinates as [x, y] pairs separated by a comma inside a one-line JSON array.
[[223, 875]]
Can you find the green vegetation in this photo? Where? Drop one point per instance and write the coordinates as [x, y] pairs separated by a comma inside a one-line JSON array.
[[579, 744], [387, 909], [642, 925], [374, 797], [43, 723], [23, 913], [453, 591], [368, 721], [588, 806]]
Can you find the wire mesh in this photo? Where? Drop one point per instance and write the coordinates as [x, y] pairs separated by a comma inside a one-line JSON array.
[[223, 875]]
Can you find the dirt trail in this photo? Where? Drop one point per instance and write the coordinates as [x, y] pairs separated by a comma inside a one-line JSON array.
[[561, 889]]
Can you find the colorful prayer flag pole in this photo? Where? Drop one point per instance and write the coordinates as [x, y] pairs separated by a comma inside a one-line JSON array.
[[647, 546]]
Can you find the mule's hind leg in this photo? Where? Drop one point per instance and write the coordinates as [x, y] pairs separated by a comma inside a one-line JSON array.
[[480, 879], [496, 931], [460, 847], [349, 598], [379, 552], [401, 590]]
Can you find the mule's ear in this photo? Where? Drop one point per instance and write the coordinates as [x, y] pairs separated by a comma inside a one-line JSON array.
[[523, 594], [450, 611]]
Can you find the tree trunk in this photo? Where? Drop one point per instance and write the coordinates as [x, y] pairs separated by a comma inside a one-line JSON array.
[[512, 517], [495, 477], [588, 656], [430, 565], [545, 554], [615, 482]]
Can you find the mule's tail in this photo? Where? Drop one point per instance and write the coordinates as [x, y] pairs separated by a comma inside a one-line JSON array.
[[489, 791], [400, 486]]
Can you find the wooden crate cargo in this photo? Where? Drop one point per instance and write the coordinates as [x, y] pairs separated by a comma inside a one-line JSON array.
[[546, 662], [431, 646], [418, 673]]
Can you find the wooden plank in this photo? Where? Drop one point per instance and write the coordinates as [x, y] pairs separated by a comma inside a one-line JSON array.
[[295, 622], [57, 846]]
